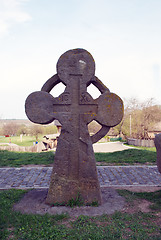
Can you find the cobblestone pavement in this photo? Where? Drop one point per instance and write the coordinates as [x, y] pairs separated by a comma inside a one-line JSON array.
[[39, 177]]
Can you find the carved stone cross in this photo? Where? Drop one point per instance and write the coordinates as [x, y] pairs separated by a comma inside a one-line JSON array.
[[74, 168]]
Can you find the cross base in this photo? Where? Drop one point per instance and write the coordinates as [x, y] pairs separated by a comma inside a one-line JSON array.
[[62, 190]]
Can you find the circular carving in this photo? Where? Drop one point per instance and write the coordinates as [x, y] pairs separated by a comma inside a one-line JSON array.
[[39, 111], [104, 130], [80, 63], [100, 134], [50, 83], [76, 62], [98, 84], [110, 109]]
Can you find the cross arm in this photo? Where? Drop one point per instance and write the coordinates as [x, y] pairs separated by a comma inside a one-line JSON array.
[[109, 114], [110, 109], [39, 107]]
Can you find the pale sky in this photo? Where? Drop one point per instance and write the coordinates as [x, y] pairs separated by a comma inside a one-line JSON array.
[[123, 36]]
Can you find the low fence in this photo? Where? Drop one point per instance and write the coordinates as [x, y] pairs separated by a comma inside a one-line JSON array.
[[141, 142]]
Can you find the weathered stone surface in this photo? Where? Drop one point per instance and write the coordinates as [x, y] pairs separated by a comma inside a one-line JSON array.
[[74, 169], [157, 142]]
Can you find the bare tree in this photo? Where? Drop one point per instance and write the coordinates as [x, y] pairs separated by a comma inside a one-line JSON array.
[[50, 129], [36, 130], [10, 128], [22, 129], [139, 117]]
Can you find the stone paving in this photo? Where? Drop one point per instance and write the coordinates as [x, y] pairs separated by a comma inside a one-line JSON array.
[[110, 147], [118, 176]]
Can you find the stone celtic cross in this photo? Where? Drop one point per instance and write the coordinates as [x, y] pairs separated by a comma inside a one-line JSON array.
[[74, 168]]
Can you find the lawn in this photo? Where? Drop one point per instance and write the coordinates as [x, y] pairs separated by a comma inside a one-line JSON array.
[[17, 159], [130, 157], [120, 225], [126, 157], [26, 140]]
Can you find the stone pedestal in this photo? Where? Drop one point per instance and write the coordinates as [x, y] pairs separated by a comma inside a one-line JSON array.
[[157, 142]]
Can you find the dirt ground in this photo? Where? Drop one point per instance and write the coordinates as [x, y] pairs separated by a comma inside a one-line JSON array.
[[141, 205], [34, 202]]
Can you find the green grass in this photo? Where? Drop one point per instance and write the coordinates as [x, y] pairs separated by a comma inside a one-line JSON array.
[[26, 140], [130, 156], [17, 159], [14, 225], [153, 149]]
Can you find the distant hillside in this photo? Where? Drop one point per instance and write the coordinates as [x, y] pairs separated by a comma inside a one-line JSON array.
[[20, 122], [17, 121]]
